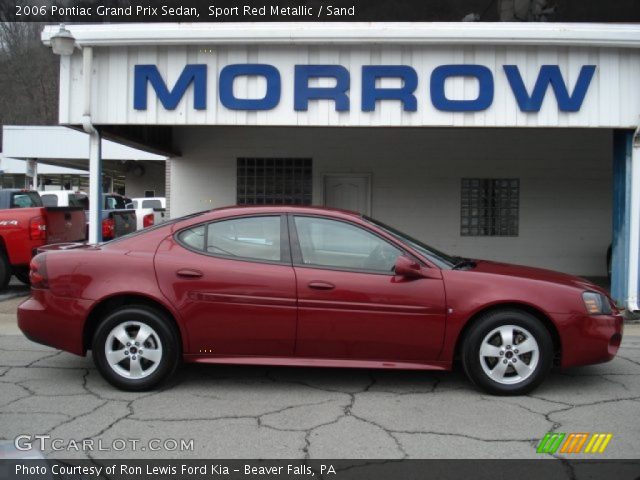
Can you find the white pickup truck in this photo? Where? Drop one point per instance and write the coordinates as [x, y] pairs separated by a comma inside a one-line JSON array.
[[149, 210]]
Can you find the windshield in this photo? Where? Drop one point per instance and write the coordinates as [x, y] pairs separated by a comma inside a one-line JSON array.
[[439, 258], [25, 199]]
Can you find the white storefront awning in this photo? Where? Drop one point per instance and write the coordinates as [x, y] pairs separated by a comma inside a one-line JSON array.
[[52, 142]]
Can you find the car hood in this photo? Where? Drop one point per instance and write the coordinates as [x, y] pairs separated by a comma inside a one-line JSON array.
[[540, 274]]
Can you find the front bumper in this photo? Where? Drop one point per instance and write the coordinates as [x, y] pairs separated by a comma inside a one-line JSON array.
[[54, 321], [587, 339]]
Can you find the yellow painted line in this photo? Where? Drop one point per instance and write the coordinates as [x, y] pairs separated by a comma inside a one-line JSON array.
[[596, 445], [605, 443], [590, 445]]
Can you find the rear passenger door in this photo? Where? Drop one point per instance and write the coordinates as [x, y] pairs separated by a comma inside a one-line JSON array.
[[233, 284]]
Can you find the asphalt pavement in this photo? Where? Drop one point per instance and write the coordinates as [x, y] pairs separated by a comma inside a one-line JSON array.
[[259, 412]]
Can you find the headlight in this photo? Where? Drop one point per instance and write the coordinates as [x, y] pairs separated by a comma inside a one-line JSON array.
[[596, 303]]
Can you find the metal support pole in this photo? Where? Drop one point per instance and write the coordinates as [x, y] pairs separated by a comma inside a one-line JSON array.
[[622, 146], [95, 188], [35, 174], [634, 226], [95, 152]]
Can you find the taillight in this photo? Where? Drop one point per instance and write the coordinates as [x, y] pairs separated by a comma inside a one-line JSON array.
[[38, 271], [147, 220], [108, 228], [37, 228]]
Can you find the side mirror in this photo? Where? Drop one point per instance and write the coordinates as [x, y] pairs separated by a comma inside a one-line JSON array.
[[409, 268], [406, 267]]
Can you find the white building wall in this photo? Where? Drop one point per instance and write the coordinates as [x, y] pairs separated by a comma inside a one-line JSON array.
[[152, 179], [565, 182]]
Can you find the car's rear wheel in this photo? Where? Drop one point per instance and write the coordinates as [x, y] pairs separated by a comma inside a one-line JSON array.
[[507, 352], [136, 348]]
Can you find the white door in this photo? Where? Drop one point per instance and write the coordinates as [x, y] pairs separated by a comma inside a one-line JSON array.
[[348, 192]]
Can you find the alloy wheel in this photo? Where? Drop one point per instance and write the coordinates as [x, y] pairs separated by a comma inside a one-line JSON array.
[[509, 354], [133, 350]]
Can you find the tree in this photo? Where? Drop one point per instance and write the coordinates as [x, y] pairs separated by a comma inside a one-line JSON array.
[[28, 76]]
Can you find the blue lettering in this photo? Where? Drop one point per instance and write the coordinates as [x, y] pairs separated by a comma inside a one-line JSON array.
[[271, 97], [371, 93], [549, 74], [485, 82], [303, 92], [170, 99]]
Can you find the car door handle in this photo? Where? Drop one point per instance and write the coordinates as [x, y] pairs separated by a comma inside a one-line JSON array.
[[187, 272], [321, 285]]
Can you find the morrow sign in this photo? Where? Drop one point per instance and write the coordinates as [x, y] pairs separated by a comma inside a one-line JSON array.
[[569, 98]]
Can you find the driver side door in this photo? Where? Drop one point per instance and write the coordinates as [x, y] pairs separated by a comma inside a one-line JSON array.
[[351, 305]]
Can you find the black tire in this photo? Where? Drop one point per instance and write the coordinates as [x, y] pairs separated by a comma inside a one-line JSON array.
[[167, 336], [5, 270], [478, 333], [22, 275]]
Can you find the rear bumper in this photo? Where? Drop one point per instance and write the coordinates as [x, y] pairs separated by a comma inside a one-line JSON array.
[[54, 321], [587, 339]]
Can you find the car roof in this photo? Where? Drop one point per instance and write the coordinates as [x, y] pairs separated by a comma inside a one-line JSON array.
[[262, 209]]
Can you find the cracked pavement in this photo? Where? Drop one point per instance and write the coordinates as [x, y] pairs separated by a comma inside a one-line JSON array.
[[275, 412]]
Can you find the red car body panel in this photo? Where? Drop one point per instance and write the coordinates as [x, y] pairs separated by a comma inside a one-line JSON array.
[[238, 311], [235, 308], [368, 316]]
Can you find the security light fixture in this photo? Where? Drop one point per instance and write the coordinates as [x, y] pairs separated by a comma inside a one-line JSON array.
[[62, 42]]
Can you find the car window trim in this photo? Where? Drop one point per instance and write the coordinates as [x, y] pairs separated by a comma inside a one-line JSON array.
[[296, 250], [285, 250]]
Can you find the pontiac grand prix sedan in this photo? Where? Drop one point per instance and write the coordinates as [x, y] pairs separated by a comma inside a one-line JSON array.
[[309, 287]]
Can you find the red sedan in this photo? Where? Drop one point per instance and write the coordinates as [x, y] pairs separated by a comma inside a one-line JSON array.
[[310, 287]]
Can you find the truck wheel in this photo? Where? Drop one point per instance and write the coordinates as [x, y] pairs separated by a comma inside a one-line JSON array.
[[22, 275], [136, 348], [507, 352], [5, 270]]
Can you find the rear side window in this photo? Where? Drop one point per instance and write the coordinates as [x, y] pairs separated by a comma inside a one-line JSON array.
[[111, 202], [247, 238], [193, 237], [26, 200], [49, 200], [151, 204], [76, 200]]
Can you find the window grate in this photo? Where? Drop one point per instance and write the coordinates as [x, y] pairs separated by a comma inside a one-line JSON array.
[[274, 181], [489, 207]]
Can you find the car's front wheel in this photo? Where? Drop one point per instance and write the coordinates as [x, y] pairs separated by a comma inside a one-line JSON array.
[[136, 348], [507, 352]]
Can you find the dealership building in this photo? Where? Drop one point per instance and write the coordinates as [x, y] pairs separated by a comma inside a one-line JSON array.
[[503, 141]]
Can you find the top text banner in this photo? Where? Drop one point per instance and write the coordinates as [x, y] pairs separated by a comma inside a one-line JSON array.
[[100, 11]]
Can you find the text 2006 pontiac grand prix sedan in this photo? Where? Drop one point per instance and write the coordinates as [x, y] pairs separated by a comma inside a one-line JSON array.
[[309, 287]]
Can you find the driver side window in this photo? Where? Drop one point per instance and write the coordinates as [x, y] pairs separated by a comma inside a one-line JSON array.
[[331, 243]]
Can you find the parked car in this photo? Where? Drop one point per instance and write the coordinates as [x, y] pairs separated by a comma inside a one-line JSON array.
[[309, 286], [149, 210], [116, 219], [25, 225]]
